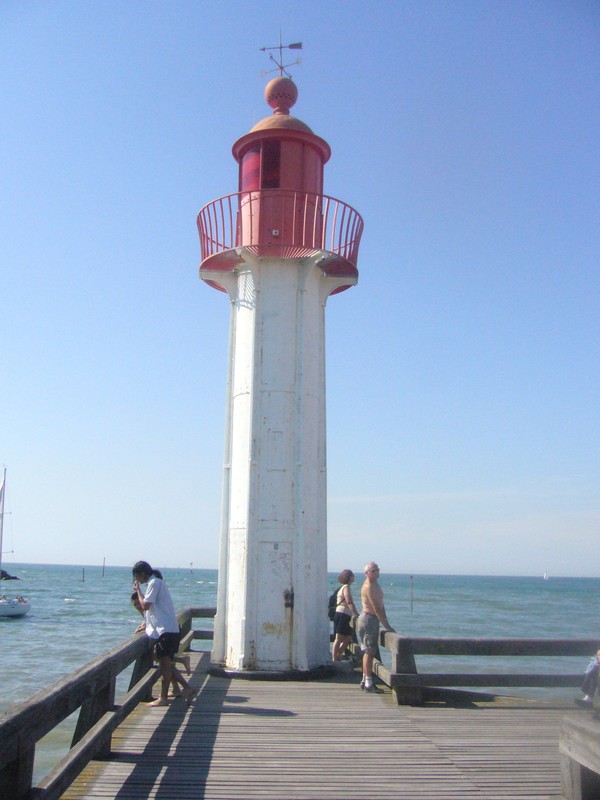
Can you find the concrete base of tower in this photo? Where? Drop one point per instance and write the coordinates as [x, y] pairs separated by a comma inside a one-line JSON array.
[[324, 671]]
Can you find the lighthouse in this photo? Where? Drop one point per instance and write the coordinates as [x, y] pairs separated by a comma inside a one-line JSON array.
[[279, 248]]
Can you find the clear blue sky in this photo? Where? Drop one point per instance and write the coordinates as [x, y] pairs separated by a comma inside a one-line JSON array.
[[463, 370]]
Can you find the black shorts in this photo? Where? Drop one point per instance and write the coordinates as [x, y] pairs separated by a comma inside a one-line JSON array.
[[341, 624], [167, 645]]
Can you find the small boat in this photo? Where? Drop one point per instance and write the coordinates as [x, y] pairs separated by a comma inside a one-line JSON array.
[[13, 606], [9, 606], [545, 576]]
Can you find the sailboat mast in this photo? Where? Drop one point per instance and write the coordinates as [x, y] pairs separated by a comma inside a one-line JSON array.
[[2, 492]]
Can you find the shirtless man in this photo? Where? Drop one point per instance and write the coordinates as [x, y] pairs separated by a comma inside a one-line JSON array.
[[367, 629]]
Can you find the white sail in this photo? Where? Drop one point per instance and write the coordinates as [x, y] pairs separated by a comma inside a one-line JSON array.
[[9, 606], [2, 515]]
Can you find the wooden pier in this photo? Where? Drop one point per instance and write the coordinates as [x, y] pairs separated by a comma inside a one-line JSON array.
[[309, 739], [326, 739]]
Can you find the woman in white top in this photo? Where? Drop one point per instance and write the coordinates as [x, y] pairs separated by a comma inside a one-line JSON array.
[[344, 612]]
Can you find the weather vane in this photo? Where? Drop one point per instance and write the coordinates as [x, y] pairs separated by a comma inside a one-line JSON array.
[[279, 63]]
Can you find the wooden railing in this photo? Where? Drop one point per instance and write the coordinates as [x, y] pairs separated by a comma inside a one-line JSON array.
[[408, 684], [90, 689]]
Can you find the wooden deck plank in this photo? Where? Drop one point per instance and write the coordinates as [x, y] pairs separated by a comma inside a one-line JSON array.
[[256, 740]]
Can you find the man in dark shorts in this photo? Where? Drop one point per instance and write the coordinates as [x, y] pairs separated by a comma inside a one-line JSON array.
[[167, 645]]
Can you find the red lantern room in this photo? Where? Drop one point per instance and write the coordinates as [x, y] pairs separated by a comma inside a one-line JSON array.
[[281, 152], [280, 210]]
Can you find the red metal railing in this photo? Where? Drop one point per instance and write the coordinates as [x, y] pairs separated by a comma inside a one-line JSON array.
[[278, 221]]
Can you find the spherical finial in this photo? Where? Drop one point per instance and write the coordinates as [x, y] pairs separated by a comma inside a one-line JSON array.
[[281, 94]]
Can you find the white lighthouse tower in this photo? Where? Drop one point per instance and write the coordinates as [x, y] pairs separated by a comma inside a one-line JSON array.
[[279, 248]]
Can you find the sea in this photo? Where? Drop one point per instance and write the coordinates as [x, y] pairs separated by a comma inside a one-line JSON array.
[[80, 612]]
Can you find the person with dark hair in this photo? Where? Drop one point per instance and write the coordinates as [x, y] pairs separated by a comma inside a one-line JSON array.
[[178, 658], [344, 612], [161, 626]]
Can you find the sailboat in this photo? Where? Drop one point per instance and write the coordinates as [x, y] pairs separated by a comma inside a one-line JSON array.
[[9, 606]]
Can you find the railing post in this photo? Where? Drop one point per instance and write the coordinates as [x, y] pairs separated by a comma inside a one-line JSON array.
[[92, 711], [403, 661], [186, 626], [579, 749], [142, 665], [17, 776]]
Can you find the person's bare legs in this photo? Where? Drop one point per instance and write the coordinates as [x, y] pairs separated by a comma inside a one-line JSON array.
[[165, 664], [188, 692], [339, 646], [170, 674], [183, 659], [367, 679]]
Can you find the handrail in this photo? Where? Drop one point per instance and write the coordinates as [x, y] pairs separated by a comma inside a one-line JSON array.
[[92, 690], [407, 683], [303, 221]]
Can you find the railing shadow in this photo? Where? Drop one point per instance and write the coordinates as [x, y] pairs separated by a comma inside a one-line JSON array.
[[173, 734], [180, 751]]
